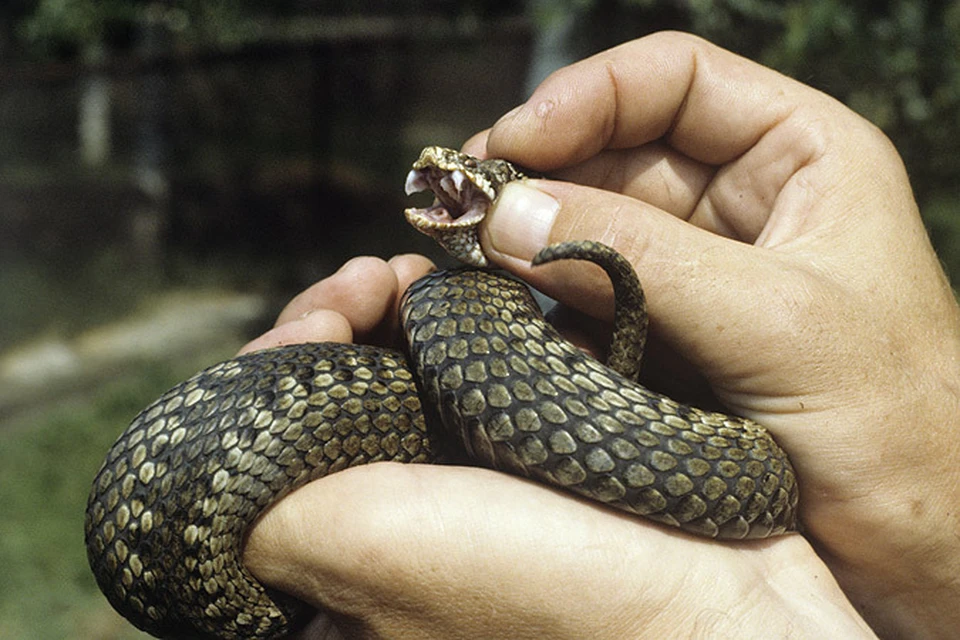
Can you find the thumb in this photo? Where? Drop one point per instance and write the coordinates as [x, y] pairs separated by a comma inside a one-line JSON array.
[[703, 289]]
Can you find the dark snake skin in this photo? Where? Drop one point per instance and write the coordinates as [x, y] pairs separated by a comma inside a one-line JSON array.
[[486, 375]]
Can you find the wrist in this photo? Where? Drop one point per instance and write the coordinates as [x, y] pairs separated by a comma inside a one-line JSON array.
[[776, 588], [894, 548], [905, 589], [904, 609]]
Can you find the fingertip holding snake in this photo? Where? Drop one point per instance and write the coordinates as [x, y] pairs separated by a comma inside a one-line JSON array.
[[483, 373]]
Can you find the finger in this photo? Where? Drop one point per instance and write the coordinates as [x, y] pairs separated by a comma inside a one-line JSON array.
[[711, 107], [359, 302], [655, 173], [707, 103], [476, 145], [437, 563], [736, 200], [320, 325], [433, 549], [362, 290], [697, 283], [407, 268]]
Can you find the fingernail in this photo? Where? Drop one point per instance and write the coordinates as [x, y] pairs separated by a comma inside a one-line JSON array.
[[521, 219]]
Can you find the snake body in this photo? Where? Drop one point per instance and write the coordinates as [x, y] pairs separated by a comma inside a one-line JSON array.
[[483, 374]]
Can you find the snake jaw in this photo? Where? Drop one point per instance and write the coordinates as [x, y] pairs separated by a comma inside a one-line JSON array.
[[464, 188], [455, 215], [458, 201]]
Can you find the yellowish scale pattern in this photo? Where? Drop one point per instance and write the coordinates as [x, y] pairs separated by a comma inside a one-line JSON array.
[[485, 380], [168, 509]]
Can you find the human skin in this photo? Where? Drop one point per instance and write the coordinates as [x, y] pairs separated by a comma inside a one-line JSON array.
[[787, 271]]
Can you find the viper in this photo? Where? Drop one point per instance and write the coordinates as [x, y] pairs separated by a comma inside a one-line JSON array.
[[483, 379]]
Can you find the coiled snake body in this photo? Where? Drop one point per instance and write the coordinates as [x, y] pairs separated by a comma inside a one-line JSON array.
[[169, 507]]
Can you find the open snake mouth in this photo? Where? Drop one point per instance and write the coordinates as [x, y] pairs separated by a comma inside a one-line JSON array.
[[458, 201]]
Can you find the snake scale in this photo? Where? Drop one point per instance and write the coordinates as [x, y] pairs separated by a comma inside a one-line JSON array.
[[483, 374]]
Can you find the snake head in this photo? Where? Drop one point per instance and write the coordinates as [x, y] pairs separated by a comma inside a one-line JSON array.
[[464, 188]]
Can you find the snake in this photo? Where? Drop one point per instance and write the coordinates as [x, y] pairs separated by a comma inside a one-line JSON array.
[[483, 380]]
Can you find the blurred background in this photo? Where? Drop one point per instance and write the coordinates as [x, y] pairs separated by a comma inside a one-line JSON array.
[[171, 172]]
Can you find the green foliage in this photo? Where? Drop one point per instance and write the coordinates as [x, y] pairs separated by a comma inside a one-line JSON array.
[[895, 62], [65, 28], [58, 26], [942, 214]]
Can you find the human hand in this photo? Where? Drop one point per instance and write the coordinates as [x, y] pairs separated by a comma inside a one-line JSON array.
[[437, 551], [784, 258]]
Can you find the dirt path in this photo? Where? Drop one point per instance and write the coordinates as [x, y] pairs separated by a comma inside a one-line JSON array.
[[175, 325]]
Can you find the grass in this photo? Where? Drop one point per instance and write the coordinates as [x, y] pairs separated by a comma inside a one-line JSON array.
[[47, 462]]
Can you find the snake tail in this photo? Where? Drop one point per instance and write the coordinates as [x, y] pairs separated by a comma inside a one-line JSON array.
[[630, 319]]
